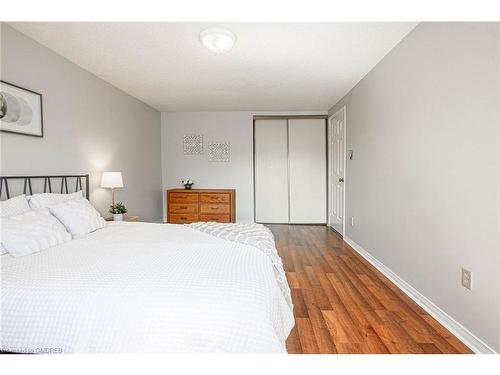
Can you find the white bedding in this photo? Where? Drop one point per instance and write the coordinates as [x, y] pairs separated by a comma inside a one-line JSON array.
[[252, 234], [138, 287]]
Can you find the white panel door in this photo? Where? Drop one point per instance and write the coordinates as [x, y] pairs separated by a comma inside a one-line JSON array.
[[271, 171], [307, 170], [337, 171]]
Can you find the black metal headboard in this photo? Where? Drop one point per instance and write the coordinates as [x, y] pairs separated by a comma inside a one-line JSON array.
[[28, 182]]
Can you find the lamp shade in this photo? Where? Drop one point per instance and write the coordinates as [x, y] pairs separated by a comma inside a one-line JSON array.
[[112, 180]]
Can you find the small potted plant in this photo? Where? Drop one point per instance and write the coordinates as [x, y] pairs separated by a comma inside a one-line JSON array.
[[187, 184], [117, 209]]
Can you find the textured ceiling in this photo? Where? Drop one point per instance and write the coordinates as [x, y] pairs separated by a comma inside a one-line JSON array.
[[272, 67]]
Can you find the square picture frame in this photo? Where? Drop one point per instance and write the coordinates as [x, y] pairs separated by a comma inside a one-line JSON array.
[[219, 152], [192, 144]]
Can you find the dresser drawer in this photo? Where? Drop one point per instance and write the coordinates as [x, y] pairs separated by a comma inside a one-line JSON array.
[[215, 198], [214, 208], [183, 198], [215, 217], [187, 208], [182, 218]]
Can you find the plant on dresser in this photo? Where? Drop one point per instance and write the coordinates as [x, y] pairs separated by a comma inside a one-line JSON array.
[[188, 184], [188, 206]]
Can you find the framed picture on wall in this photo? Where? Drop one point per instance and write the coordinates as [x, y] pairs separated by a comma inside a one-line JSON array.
[[219, 152], [20, 110]]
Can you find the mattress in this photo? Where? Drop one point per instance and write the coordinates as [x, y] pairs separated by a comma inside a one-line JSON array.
[[143, 287]]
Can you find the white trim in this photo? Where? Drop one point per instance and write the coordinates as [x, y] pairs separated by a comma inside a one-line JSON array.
[[344, 110], [289, 113], [462, 333]]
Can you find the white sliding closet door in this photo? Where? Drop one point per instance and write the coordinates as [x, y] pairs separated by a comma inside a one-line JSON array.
[[307, 170], [271, 171]]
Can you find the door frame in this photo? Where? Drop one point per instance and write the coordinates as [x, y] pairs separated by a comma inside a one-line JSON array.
[[291, 117], [330, 165]]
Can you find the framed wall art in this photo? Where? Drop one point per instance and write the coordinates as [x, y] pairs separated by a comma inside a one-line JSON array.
[[192, 144], [219, 152], [20, 110]]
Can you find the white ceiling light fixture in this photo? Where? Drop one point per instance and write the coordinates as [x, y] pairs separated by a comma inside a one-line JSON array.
[[218, 40]]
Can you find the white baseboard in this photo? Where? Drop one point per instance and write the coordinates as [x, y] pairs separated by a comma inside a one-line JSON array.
[[462, 333]]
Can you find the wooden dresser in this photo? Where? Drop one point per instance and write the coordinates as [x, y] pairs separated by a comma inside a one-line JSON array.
[[187, 206]]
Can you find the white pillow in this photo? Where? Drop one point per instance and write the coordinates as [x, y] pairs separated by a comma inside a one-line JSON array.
[[31, 232], [44, 200], [14, 206], [78, 216]]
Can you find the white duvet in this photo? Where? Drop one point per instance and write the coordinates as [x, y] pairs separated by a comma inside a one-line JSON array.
[[138, 287]]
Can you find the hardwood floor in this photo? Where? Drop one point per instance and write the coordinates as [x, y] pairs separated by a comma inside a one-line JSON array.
[[342, 304]]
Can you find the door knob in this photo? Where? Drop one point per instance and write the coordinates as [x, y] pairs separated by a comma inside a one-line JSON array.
[[341, 179]]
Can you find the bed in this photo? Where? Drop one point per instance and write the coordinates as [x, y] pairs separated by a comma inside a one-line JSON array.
[[144, 287]]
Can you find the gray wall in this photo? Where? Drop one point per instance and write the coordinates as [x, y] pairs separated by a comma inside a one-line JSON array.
[[424, 183], [89, 126], [234, 127]]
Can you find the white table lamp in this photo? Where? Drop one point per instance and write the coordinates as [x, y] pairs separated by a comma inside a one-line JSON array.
[[112, 180]]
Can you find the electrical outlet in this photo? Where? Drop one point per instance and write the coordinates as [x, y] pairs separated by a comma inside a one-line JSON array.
[[466, 279], [352, 221]]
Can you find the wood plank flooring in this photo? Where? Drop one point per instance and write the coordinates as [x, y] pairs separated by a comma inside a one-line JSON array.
[[342, 304]]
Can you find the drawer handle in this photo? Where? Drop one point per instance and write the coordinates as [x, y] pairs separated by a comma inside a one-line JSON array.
[[215, 208], [184, 218], [183, 207]]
